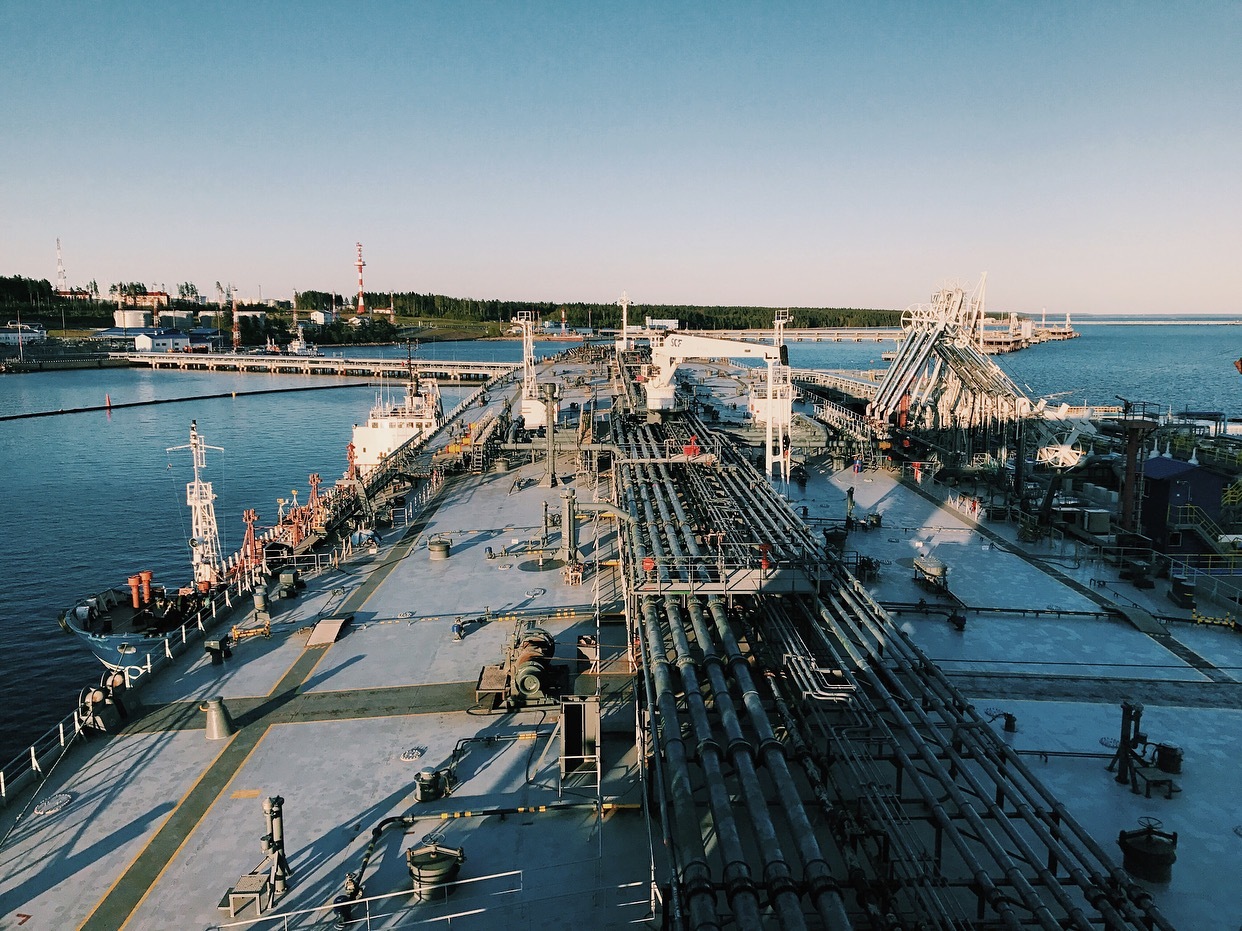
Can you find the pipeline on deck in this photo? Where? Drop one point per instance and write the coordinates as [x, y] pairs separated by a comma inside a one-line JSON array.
[[815, 769]]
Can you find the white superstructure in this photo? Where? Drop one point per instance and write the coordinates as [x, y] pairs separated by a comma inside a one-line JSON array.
[[392, 424]]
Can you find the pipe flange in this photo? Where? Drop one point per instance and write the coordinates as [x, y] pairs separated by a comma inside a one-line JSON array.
[[740, 746], [698, 885], [771, 743], [781, 884], [737, 882], [819, 880], [709, 744]]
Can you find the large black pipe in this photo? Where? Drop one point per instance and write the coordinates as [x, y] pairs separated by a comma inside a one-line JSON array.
[[777, 877], [822, 887], [696, 876]]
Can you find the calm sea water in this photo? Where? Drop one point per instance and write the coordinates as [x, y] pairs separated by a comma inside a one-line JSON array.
[[90, 498], [1183, 367]]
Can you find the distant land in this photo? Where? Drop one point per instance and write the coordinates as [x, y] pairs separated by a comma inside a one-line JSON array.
[[1161, 320]]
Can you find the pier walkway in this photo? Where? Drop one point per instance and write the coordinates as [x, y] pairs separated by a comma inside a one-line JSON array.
[[445, 370], [811, 334]]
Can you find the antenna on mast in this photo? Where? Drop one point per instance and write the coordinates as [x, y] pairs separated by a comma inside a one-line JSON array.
[[204, 537]]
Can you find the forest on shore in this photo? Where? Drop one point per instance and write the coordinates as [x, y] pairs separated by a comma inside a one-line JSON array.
[[36, 302], [411, 304]]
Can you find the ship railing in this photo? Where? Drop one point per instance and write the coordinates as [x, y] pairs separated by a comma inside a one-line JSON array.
[[42, 754], [633, 900], [37, 760], [844, 420], [1210, 563], [1215, 577]]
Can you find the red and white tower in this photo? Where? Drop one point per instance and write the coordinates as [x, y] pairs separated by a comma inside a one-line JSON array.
[[362, 304]]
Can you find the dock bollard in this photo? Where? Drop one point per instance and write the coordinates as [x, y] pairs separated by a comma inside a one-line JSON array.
[[219, 723]]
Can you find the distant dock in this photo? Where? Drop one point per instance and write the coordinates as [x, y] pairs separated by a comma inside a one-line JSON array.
[[813, 334], [998, 335], [442, 370]]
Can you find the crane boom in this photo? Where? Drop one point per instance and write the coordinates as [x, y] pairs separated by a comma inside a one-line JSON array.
[[676, 349]]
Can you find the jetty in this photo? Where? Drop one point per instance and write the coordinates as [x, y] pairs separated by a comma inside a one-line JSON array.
[[994, 335], [277, 364]]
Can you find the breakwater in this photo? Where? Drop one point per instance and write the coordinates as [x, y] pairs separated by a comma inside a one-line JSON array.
[[109, 406]]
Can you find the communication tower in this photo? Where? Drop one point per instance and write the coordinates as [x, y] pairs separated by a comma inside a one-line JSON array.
[[362, 306], [62, 280]]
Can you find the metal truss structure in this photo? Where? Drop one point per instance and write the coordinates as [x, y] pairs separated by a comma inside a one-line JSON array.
[[941, 379]]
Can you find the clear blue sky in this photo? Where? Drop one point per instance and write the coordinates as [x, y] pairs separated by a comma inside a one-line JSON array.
[[1088, 156]]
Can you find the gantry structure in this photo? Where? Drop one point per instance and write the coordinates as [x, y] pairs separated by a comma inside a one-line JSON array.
[[941, 383]]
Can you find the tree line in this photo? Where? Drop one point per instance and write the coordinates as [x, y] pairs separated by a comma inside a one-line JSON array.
[[16, 290], [37, 299], [413, 304]]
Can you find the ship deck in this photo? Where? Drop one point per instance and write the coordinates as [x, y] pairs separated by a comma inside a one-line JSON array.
[[155, 826], [160, 822], [1044, 640]]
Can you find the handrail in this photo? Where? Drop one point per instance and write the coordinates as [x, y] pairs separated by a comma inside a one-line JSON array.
[[367, 909], [47, 749], [1191, 515]]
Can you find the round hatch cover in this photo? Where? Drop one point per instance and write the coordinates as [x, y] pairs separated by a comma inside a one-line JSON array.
[[53, 804]]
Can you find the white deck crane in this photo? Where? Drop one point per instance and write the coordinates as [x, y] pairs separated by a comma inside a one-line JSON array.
[[533, 410], [676, 348]]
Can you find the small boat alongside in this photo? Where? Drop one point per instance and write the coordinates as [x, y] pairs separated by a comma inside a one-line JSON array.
[[120, 623], [298, 346]]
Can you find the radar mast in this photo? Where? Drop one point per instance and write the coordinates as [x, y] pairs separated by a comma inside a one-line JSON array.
[[204, 537]]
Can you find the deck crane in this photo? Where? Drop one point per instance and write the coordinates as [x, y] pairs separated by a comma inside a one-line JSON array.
[[676, 348]]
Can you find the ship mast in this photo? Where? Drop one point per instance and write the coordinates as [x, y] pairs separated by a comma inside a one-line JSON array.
[[204, 538]]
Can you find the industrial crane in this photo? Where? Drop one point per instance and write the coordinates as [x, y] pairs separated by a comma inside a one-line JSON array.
[[675, 349]]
